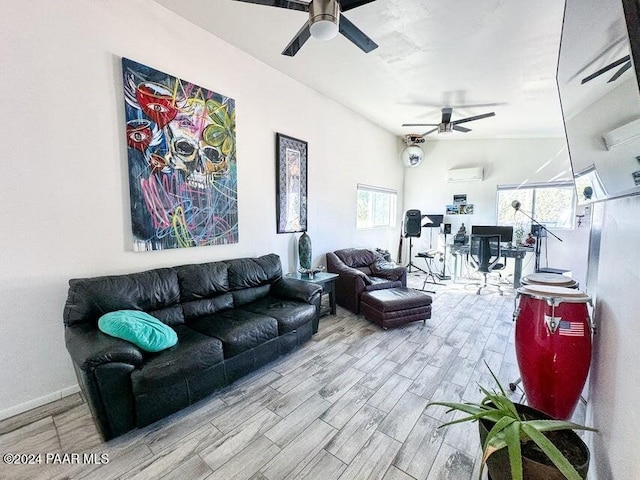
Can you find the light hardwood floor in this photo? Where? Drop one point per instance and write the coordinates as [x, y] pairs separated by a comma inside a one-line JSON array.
[[350, 404]]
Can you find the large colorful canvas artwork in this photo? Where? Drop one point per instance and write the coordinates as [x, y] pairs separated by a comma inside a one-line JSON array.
[[181, 144]]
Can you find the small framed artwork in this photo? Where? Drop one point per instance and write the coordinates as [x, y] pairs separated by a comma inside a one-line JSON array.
[[291, 184]]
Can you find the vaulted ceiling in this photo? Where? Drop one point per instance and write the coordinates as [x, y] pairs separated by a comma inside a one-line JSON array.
[[474, 56]]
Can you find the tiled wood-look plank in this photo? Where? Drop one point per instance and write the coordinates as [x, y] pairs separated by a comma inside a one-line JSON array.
[[171, 430], [461, 371], [371, 360], [401, 420], [347, 405], [451, 464], [39, 436], [229, 445], [374, 458], [420, 448], [231, 417], [337, 387], [376, 378], [245, 388], [12, 423], [298, 453], [324, 466], [76, 429], [286, 403], [403, 351], [394, 473], [412, 367], [192, 469], [169, 459], [346, 444], [124, 457], [388, 394], [297, 421], [427, 381], [248, 462]]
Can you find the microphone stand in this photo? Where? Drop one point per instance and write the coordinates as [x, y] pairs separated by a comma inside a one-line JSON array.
[[542, 227]]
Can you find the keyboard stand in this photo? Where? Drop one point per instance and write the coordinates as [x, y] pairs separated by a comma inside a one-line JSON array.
[[428, 259]]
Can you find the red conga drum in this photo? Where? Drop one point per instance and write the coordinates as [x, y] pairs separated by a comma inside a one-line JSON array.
[[553, 346]]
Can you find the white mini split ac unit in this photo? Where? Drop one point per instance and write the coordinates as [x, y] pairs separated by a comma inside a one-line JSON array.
[[622, 135], [456, 175]]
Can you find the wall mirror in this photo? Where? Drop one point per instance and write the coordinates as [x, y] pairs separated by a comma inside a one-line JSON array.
[[598, 84]]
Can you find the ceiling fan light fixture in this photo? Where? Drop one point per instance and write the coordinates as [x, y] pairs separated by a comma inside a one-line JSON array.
[[412, 156], [324, 16]]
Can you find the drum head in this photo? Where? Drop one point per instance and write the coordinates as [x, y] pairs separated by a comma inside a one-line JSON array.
[[563, 294], [548, 279]]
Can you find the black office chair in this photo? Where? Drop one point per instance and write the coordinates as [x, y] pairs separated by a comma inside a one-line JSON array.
[[484, 256]]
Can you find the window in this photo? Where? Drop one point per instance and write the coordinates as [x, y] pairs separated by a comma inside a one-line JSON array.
[[551, 204], [376, 207]]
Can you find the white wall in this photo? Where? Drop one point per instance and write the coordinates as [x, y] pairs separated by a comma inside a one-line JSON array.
[[614, 379], [64, 185], [505, 162]]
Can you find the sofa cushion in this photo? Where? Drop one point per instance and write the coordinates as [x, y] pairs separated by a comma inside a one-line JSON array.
[[239, 330], [207, 306], [378, 283], [139, 328], [290, 314], [202, 281], [194, 352], [253, 272], [90, 298]]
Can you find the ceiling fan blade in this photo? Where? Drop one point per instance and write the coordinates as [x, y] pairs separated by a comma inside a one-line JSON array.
[[605, 69], [430, 131], [288, 4], [420, 124], [356, 35], [622, 69], [298, 41], [351, 4], [446, 114], [471, 119], [461, 129]]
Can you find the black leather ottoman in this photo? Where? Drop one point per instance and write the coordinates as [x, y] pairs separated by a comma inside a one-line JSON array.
[[393, 307]]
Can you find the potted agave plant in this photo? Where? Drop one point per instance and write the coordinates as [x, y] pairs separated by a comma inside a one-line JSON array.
[[522, 443]]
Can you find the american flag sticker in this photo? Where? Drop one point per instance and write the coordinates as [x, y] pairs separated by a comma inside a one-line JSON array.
[[571, 329]]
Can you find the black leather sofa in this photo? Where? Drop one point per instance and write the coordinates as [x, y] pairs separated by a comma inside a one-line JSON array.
[[362, 270], [231, 317]]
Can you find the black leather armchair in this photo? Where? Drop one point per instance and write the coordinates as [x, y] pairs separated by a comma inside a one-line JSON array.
[[362, 270], [231, 317]]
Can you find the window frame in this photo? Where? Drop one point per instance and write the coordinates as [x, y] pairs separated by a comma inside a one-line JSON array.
[[393, 194], [568, 184]]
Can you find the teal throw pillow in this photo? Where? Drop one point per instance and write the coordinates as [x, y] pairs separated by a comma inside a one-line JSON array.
[[139, 328]]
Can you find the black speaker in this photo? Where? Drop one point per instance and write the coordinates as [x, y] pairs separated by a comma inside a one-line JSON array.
[[447, 229], [412, 223]]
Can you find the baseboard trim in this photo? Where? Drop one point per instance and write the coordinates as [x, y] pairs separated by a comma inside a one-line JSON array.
[[38, 402]]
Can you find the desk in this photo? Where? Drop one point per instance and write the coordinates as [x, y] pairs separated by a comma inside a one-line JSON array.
[[517, 253], [328, 283]]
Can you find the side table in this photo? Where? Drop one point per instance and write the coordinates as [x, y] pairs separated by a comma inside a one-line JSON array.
[[328, 283]]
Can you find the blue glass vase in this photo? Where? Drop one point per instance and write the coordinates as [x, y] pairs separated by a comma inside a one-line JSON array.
[[304, 251]]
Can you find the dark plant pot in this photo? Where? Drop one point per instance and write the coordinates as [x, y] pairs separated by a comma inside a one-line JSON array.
[[535, 464]]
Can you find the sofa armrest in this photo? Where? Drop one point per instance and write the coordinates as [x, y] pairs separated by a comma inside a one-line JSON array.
[[90, 348], [294, 289]]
